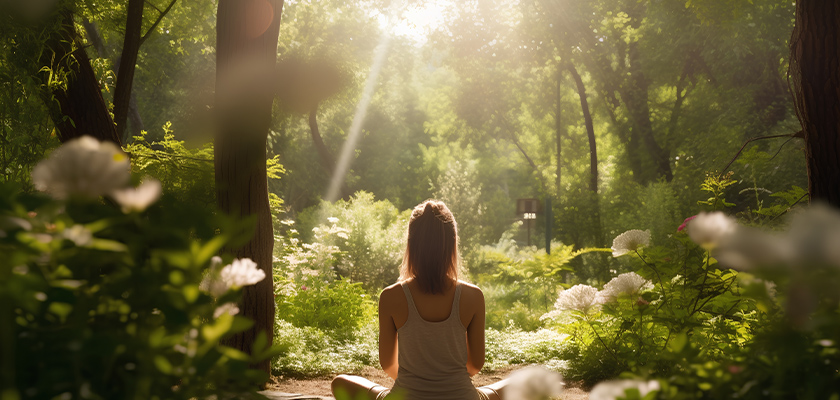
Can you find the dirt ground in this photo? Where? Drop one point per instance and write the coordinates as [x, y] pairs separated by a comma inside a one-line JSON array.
[[321, 386]]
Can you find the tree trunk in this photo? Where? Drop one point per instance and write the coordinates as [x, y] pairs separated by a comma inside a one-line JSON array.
[[95, 39], [590, 129], [246, 52], [326, 159], [128, 63], [634, 93], [815, 56], [77, 108], [593, 156], [558, 133]]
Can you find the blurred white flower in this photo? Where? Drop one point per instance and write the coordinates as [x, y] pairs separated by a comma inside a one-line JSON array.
[[577, 298], [629, 284], [611, 390], [746, 248], [815, 236], [332, 220], [82, 167], [212, 283], [79, 235], [227, 308], [533, 383], [710, 229], [242, 272], [138, 199], [629, 241]]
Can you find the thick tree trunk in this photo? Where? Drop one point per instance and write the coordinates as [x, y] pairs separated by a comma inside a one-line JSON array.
[[246, 52], [77, 108], [634, 93], [128, 63], [815, 69]]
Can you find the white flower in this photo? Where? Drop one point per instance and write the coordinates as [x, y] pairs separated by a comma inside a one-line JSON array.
[[211, 283], [578, 298], [746, 248], [815, 236], [227, 308], [533, 383], [82, 167], [629, 284], [332, 220], [611, 390], [79, 235], [710, 229], [242, 272], [138, 199], [630, 241]]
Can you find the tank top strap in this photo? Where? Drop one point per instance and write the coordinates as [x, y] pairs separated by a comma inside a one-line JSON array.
[[412, 309], [456, 302]]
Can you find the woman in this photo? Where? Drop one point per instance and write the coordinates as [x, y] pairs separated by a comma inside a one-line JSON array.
[[431, 325]]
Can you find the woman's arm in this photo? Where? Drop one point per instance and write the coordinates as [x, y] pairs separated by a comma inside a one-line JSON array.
[[475, 331], [387, 335]]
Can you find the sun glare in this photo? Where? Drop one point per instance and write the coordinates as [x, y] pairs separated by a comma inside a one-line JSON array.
[[416, 22]]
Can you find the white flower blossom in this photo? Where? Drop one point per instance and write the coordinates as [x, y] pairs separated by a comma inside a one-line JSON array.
[[242, 272], [211, 283], [82, 167], [629, 284], [78, 234], [332, 220], [611, 390], [227, 308], [710, 229], [533, 383], [815, 236], [580, 298], [138, 199], [746, 248], [630, 241]]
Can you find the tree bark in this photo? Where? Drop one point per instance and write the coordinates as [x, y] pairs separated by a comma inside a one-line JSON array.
[[559, 132], [815, 70], [95, 39], [590, 129], [246, 52], [593, 156], [326, 159], [77, 107], [128, 63]]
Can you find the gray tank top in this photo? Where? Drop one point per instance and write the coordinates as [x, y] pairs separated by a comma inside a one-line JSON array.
[[433, 355]]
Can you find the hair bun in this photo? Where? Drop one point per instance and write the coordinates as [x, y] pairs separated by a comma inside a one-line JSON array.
[[429, 208]]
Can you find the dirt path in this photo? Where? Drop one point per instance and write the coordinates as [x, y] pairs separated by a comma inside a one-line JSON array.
[[321, 386]]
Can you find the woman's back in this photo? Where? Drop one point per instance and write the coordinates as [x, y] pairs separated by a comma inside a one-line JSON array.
[[432, 343]]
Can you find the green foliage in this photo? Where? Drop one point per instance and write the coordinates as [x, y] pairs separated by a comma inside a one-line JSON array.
[[371, 239], [185, 173], [716, 185], [310, 352], [96, 303], [340, 307], [513, 346]]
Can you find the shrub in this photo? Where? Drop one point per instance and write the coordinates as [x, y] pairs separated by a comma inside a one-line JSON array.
[[100, 304]]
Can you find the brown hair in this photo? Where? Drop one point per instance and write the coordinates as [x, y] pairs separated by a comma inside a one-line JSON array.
[[431, 254]]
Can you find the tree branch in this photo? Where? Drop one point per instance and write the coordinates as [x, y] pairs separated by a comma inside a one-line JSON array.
[[799, 134], [157, 22]]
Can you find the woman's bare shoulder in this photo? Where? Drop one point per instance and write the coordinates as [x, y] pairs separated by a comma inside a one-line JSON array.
[[391, 293], [471, 291]]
